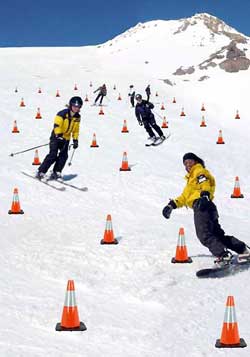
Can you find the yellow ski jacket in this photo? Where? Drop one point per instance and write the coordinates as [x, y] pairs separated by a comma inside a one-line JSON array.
[[66, 125], [198, 179]]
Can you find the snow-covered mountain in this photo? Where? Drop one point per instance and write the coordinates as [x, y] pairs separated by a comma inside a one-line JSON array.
[[133, 300], [182, 47]]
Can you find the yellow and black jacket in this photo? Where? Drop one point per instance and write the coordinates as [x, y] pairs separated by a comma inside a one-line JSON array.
[[66, 125], [198, 179]]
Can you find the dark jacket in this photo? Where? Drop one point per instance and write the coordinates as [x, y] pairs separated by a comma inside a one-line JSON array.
[[102, 90], [143, 110]]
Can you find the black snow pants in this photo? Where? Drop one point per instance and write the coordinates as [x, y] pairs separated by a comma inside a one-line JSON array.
[[100, 95], [132, 99], [210, 233], [149, 124], [60, 159]]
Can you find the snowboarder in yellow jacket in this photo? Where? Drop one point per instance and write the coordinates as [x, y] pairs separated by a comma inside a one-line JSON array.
[[198, 194]]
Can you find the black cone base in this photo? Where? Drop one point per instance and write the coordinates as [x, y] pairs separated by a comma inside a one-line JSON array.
[[115, 241], [20, 212], [173, 260], [82, 327], [222, 345]]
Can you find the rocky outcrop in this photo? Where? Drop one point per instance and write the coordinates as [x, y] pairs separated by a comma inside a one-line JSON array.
[[234, 59], [235, 64], [182, 71], [167, 81]]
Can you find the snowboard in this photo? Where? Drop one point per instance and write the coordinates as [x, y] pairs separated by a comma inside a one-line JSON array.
[[236, 265]]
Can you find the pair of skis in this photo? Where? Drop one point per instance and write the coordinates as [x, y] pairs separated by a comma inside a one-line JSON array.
[[53, 183], [158, 141]]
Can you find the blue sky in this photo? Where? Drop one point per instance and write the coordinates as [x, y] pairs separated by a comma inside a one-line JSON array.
[[80, 22]]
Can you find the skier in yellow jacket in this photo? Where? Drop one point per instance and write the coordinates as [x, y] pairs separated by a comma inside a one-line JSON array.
[[198, 194], [66, 125]]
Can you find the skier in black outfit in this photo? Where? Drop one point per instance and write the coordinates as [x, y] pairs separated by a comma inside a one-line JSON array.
[[148, 92], [132, 95], [66, 125], [146, 117], [198, 194]]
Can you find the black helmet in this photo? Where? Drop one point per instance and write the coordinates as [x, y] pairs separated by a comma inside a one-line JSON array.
[[76, 101], [138, 97]]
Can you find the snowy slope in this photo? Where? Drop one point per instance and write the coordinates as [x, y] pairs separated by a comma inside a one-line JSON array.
[[134, 302]]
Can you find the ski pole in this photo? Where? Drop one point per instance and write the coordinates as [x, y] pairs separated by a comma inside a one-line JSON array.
[[157, 114], [70, 161], [20, 152]]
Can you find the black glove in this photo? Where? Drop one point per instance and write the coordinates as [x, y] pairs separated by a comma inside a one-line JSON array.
[[140, 122], [168, 209], [75, 144], [204, 200]]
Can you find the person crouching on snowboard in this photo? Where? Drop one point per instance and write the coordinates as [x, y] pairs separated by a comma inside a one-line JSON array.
[[145, 117], [66, 125], [198, 194]]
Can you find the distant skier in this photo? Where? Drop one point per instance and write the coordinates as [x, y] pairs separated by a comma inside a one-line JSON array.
[[66, 125], [198, 194], [145, 117], [102, 93], [132, 95], [148, 92]]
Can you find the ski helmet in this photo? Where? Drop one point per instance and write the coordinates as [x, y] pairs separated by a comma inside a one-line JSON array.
[[138, 97], [76, 101]]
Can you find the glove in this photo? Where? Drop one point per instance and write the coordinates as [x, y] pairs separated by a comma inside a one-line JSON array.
[[204, 201], [140, 122], [168, 209], [75, 144]]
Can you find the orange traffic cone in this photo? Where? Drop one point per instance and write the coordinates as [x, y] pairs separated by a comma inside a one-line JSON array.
[[203, 108], [101, 112], [156, 94], [230, 334], [15, 207], [94, 144], [203, 123], [162, 107], [119, 97], [181, 255], [174, 100], [38, 114], [15, 129], [57, 93], [75, 87], [39, 90], [164, 123], [36, 159], [22, 103], [86, 98], [70, 319], [182, 113], [237, 116], [237, 193], [124, 128], [125, 166], [220, 138], [108, 237]]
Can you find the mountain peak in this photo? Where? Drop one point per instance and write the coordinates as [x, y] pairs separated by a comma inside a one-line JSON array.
[[213, 24]]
